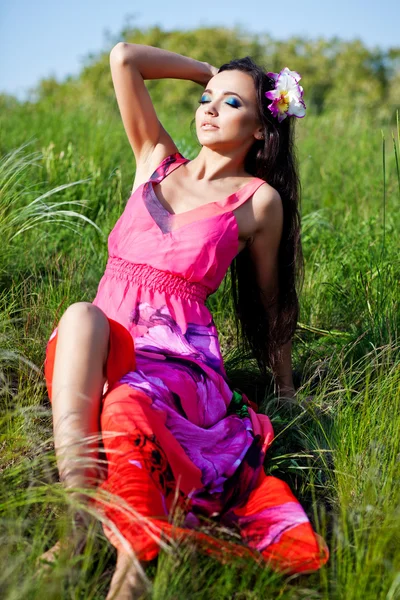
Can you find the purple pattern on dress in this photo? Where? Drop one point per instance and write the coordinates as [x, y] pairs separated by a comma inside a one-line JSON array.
[[215, 442], [160, 215], [164, 336], [157, 211], [268, 525]]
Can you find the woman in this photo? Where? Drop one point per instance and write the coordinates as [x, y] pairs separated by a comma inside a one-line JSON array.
[[144, 356]]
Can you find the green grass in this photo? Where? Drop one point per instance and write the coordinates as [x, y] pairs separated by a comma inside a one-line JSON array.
[[64, 180]]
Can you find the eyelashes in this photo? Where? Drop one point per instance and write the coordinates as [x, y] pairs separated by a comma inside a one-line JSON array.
[[201, 101]]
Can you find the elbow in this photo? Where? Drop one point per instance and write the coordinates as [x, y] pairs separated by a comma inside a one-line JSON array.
[[118, 53], [123, 52], [117, 48]]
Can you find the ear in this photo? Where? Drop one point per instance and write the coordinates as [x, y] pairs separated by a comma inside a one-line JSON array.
[[259, 135]]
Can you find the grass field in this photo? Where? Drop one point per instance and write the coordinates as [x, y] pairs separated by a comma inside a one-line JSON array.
[[64, 181]]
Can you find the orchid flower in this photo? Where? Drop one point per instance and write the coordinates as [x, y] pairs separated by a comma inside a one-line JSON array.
[[287, 97]]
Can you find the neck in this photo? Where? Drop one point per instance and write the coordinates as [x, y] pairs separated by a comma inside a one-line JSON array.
[[210, 165]]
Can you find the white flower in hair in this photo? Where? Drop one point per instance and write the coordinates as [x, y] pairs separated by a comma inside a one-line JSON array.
[[287, 97]]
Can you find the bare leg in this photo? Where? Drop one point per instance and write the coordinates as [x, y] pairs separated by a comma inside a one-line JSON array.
[[78, 381], [127, 583], [77, 387]]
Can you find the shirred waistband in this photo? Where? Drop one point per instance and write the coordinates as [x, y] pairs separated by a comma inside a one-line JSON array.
[[156, 279]]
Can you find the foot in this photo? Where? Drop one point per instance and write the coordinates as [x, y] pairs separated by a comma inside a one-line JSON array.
[[72, 546], [48, 558], [127, 582]]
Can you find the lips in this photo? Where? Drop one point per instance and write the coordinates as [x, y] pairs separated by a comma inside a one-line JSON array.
[[208, 123]]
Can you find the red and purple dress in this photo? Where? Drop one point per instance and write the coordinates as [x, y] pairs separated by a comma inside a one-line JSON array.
[[173, 430]]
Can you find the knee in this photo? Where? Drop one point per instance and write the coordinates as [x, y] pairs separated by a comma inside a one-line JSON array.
[[80, 311], [85, 317]]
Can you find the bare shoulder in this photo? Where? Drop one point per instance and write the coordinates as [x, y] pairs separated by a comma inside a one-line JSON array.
[[267, 206]]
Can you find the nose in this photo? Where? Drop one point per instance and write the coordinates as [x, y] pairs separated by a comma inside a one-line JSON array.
[[210, 108]]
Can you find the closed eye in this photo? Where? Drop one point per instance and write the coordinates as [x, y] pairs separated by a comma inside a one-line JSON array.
[[235, 103]]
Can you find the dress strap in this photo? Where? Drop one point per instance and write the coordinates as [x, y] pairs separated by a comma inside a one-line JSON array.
[[167, 165], [241, 196]]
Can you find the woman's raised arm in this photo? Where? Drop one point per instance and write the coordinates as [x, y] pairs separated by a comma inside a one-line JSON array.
[[130, 65]]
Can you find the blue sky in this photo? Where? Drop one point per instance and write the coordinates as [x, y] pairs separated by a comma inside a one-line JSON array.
[[40, 39]]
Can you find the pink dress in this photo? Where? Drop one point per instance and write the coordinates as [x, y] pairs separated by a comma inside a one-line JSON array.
[[176, 423]]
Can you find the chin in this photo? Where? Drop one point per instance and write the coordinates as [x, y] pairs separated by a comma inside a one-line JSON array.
[[210, 139], [210, 145]]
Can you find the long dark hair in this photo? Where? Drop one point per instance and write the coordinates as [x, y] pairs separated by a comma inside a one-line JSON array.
[[274, 160]]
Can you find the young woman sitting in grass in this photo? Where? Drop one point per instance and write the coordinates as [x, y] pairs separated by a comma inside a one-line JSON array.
[[142, 363]]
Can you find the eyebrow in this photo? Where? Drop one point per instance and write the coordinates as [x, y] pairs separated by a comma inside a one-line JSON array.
[[225, 93]]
